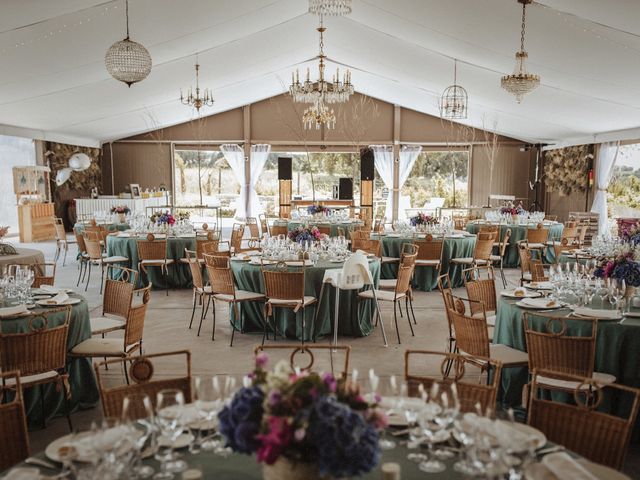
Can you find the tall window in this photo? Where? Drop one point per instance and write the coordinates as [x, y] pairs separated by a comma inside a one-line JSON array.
[[203, 177], [438, 175], [14, 152], [624, 188]]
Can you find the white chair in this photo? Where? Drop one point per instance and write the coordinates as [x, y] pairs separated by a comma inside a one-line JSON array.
[[354, 275]]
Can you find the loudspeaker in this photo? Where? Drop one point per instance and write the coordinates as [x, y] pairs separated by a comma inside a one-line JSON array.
[[367, 168], [346, 189], [285, 168]]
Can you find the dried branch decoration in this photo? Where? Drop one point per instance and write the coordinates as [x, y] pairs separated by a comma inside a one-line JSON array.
[[566, 170]]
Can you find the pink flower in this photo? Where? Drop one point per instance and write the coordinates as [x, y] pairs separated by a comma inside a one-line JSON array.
[[608, 269], [274, 398], [330, 381], [261, 360], [299, 434], [275, 441], [377, 418]]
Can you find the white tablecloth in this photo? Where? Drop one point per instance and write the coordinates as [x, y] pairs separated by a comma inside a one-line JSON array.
[[87, 206]]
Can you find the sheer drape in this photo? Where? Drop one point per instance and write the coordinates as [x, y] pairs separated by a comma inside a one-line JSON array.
[[383, 160], [407, 159], [259, 155], [604, 170], [234, 154]]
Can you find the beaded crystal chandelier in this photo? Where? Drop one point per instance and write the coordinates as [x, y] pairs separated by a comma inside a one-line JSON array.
[[318, 115], [521, 82], [336, 91], [330, 7], [453, 102], [126, 60], [197, 100]]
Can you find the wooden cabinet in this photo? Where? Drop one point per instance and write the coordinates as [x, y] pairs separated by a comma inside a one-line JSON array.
[[36, 222]]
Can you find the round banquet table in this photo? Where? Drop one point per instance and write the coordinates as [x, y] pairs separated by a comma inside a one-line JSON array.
[[179, 275], [351, 322], [25, 256], [347, 226], [426, 278], [84, 389], [519, 233], [111, 227], [617, 348]]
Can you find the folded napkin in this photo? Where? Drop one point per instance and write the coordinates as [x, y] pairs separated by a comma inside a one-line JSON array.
[[597, 313], [49, 289], [23, 473], [563, 466], [59, 299], [10, 311], [540, 302]]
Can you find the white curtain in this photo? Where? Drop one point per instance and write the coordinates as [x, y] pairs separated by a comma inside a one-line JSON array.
[[259, 155], [408, 156], [383, 160], [607, 156], [234, 154]]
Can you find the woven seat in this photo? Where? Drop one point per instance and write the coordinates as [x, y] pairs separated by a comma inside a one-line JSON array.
[[241, 296], [296, 304], [102, 347], [387, 283], [429, 253], [97, 257], [36, 379], [156, 262], [427, 263], [481, 251], [13, 421], [102, 325], [383, 295], [116, 301], [559, 384], [153, 253]]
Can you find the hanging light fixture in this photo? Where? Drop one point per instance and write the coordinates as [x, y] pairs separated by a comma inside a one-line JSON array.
[[330, 7], [336, 91], [126, 60], [521, 82], [197, 101], [454, 99], [319, 115]]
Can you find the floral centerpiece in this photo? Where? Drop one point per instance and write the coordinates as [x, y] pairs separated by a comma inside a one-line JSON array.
[[305, 233], [621, 267], [164, 218], [121, 209], [3, 232], [306, 421], [317, 209], [183, 215], [510, 209], [423, 219], [631, 234]]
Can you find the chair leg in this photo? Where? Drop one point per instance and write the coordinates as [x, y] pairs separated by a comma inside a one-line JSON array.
[[303, 326], [395, 319], [412, 312], [166, 278], [266, 322], [81, 266], [400, 309], [101, 276], [67, 406], [406, 306], [66, 249], [193, 310], [202, 317], [57, 254], [213, 331], [233, 327], [504, 280], [88, 276], [44, 415], [126, 374]]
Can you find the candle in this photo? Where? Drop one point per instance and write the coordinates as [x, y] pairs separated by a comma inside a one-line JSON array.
[[390, 471]]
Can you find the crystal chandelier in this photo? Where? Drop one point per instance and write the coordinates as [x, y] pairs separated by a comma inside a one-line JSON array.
[[330, 7], [319, 115], [197, 101], [453, 102], [521, 82], [126, 60], [336, 91]]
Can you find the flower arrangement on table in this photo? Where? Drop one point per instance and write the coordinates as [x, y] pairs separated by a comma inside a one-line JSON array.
[[3, 231], [183, 215], [510, 209], [423, 219], [303, 418], [621, 267], [121, 209], [631, 234], [164, 218], [317, 209], [305, 233]]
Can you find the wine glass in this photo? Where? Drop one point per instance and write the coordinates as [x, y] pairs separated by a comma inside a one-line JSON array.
[[142, 429], [208, 403], [617, 288], [428, 419], [169, 403], [410, 408]]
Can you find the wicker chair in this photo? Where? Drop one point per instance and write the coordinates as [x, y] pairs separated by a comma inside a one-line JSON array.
[[585, 428], [39, 354], [481, 251], [444, 285], [237, 232], [62, 241], [200, 290], [453, 370], [291, 351], [284, 289], [254, 230], [96, 257], [264, 225], [408, 256], [480, 283], [525, 259], [141, 370], [498, 260], [153, 253], [373, 247], [472, 337], [13, 421], [116, 300], [552, 349], [43, 273], [429, 253], [119, 347], [215, 247], [536, 240], [402, 291], [277, 230], [569, 233], [222, 288], [83, 256], [378, 224]]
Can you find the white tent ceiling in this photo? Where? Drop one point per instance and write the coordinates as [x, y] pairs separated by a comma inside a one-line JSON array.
[[53, 83]]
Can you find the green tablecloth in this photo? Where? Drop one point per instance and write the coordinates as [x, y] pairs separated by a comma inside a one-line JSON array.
[[179, 274], [617, 347], [249, 277], [348, 227], [84, 389], [518, 233], [426, 278], [111, 227]]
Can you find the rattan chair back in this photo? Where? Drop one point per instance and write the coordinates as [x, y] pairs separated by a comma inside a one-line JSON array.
[[217, 260], [220, 275], [551, 348], [284, 285], [484, 246], [118, 293], [237, 232], [201, 245], [405, 274], [82, 248], [60, 232], [13, 421], [94, 249], [264, 224], [481, 289], [311, 358], [459, 370], [586, 427], [360, 235], [537, 271], [41, 349], [367, 245], [488, 229], [538, 234], [525, 257], [378, 224], [214, 247], [570, 232], [141, 372], [444, 285], [152, 249], [471, 332], [276, 230], [429, 249], [582, 232], [134, 327], [504, 243], [195, 268], [252, 223]]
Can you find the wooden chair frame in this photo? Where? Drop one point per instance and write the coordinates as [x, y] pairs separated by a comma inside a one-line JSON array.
[[309, 350], [13, 421]]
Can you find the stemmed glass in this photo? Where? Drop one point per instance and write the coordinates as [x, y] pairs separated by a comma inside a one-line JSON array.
[[430, 421], [209, 397], [140, 429], [617, 288], [169, 403], [411, 407]]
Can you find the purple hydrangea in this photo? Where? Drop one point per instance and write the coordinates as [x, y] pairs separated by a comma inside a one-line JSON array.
[[240, 420]]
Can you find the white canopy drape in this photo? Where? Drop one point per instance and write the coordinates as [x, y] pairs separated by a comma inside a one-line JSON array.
[[607, 156], [234, 154], [259, 155], [383, 161], [407, 159]]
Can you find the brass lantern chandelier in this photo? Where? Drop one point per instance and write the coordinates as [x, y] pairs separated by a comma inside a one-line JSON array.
[[454, 99], [521, 82]]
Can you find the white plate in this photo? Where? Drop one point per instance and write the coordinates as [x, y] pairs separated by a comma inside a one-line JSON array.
[[540, 286], [299, 263], [539, 471], [538, 438], [511, 294], [23, 473], [69, 301], [85, 455], [181, 442], [539, 303], [597, 313]]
